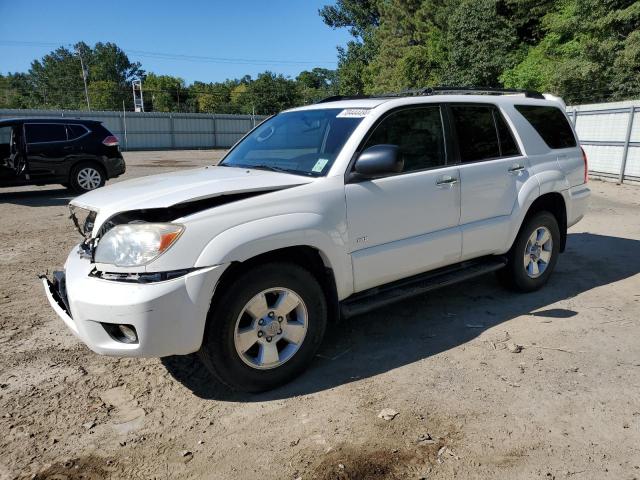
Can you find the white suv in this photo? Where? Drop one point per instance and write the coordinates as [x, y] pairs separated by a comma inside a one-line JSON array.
[[322, 211]]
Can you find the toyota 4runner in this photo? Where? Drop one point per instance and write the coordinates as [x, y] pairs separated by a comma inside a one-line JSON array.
[[322, 211]]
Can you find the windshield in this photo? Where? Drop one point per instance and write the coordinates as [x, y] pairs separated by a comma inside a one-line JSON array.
[[304, 142]]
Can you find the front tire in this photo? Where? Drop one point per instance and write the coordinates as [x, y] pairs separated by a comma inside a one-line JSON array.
[[265, 327], [534, 254], [86, 177]]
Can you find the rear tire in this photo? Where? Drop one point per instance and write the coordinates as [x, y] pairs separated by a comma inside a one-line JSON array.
[[86, 177], [534, 254], [265, 327]]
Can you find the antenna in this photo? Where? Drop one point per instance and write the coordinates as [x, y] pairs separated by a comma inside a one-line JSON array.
[[138, 100]]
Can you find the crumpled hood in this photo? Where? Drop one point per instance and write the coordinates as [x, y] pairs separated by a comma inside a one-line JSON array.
[[169, 189]]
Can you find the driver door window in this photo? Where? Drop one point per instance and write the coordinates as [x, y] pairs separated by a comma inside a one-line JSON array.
[[418, 132]]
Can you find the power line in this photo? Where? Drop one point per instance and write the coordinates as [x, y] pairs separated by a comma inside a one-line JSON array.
[[179, 56]]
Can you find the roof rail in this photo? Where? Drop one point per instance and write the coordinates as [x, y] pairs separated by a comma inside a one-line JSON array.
[[440, 91], [335, 98], [479, 90]]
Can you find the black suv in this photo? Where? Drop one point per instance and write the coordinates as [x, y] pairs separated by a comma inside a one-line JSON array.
[[79, 154]]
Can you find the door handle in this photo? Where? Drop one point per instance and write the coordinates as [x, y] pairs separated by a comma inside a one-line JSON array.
[[516, 167], [68, 147], [446, 180]]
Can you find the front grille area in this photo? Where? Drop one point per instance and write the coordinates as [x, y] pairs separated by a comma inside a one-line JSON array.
[[58, 290]]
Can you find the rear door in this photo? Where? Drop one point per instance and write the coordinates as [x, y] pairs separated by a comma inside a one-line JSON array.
[[492, 170], [47, 150], [6, 150], [75, 147], [407, 223]]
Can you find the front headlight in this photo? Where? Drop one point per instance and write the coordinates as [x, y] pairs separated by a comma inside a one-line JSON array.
[[136, 244]]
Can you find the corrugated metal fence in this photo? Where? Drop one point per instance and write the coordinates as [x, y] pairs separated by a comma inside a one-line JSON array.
[[159, 131], [610, 134]]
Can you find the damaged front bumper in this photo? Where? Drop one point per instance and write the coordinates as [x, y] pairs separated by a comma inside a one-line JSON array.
[[56, 293], [167, 316]]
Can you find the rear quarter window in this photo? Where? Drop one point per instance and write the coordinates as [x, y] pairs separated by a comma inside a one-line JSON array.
[[550, 123], [75, 131]]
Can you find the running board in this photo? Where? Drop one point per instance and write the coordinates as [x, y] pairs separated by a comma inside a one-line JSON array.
[[377, 297]]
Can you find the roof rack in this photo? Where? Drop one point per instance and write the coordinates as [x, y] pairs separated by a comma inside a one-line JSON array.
[[440, 91], [480, 91], [335, 98]]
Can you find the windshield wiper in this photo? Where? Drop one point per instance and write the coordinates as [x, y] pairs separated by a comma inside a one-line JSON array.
[[273, 168]]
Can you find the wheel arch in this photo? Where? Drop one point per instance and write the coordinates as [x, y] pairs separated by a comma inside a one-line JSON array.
[[305, 256], [554, 203]]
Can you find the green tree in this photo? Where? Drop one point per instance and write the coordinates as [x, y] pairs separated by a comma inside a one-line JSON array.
[[57, 77], [316, 84], [361, 18], [270, 93], [590, 52], [410, 46], [17, 91], [482, 43], [238, 98], [104, 95], [163, 93], [352, 67], [212, 97]]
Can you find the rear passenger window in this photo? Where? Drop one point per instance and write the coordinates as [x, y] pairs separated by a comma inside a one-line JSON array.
[[417, 132], [75, 131], [482, 133], [550, 123], [508, 146], [477, 136], [45, 132]]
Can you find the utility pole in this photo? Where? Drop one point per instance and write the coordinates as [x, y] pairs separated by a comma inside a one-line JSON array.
[[84, 79]]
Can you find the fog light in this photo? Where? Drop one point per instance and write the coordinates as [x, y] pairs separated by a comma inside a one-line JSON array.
[[121, 333], [128, 333]]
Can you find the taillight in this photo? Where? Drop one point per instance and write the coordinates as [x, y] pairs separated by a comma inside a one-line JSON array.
[[111, 141], [586, 165]]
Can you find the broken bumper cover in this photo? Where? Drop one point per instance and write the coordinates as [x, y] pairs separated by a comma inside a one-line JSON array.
[[169, 316]]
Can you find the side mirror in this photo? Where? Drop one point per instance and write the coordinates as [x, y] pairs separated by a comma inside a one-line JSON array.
[[379, 160]]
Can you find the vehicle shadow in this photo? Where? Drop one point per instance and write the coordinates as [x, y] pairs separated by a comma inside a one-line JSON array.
[[38, 198], [416, 329]]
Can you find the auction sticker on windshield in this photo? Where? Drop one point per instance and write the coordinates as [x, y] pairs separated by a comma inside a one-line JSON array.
[[353, 113]]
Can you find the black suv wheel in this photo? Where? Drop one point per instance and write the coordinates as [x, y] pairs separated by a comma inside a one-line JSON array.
[[86, 177]]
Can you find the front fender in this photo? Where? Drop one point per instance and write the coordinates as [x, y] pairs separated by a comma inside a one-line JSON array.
[[248, 240]]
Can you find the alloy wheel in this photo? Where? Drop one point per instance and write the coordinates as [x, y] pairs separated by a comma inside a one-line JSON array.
[[537, 252], [89, 178], [271, 328]]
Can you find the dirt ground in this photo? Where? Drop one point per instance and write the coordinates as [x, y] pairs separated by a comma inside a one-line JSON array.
[[566, 406]]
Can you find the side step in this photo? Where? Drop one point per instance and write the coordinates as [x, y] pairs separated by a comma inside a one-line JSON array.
[[377, 297]]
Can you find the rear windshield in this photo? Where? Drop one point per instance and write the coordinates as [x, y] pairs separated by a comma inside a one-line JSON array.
[[550, 123], [304, 142]]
